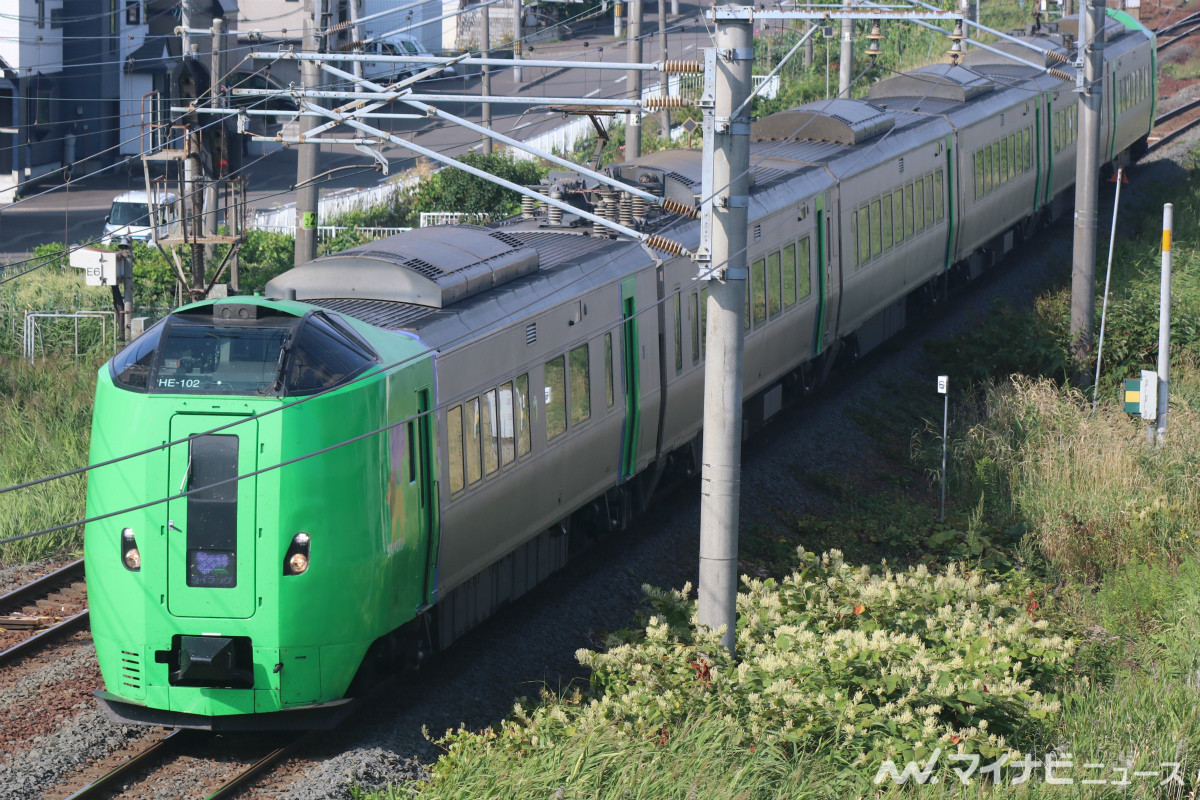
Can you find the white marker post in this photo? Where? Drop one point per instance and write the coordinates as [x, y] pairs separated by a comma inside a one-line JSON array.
[[943, 386]]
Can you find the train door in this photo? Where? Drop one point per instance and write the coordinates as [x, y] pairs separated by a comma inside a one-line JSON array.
[[632, 379], [828, 284], [211, 530], [421, 475]]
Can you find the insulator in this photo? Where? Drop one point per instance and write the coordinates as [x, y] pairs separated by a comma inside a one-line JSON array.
[[876, 32], [683, 67], [1062, 76], [625, 210], [554, 215], [639, 208], [660, 101], [675, 207], [528, 207], [356, 44], [1059, 57], [340, 26], [664, 245]]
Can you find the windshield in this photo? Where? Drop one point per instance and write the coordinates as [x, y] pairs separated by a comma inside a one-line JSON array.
[[410, 47], [259, 354], [129, 214]]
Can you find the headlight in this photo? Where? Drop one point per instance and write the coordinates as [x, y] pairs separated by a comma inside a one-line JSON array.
[[296, 560], [130, 556]]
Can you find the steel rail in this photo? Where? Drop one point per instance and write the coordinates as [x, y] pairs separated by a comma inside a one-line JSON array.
[[1175, 112], [163, 748], [38, 587], [246, 776], [41, 637]]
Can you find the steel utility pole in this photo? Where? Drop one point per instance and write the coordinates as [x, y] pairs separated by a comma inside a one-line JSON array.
[[306, 157], [726, 198], [846, 57], [517, 11], [633, 81], [1087, 183]]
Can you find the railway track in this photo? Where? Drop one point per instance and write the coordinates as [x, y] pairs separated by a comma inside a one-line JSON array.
[[1166, 137], [182, 750], [42, 611]]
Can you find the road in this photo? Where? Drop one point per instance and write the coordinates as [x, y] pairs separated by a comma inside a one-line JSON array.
[[76, 211]]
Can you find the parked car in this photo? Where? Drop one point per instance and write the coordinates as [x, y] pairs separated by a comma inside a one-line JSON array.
[[398, 44], [130, 216]]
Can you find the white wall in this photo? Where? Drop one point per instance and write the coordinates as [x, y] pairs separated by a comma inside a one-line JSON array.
[[24, 45]]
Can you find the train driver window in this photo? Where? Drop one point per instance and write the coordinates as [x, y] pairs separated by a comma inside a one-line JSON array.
[[581, 386], [556, 397]]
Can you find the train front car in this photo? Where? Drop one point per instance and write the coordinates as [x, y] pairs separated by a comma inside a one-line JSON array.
[[262, 581]]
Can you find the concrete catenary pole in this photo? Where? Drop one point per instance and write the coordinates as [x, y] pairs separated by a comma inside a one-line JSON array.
[[517, 11], [485, 115], [1164, 324], [1087, 186], [721, 471], [846, 57], [306, 158], [216, 100], [618, 20], [356, 67], [664, 116], [633, 81]]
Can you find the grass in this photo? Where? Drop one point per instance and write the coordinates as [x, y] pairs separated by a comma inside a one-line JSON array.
[[45, 421]]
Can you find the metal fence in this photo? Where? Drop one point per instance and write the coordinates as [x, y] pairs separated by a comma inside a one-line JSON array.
[[33, 330]]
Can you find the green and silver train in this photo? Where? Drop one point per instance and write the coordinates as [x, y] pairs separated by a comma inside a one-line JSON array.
[[402, 437]]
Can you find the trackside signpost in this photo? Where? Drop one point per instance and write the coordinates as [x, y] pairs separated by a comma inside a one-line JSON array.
[[943, 387]]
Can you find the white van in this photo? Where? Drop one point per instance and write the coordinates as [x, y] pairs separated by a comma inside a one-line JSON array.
[[130, 216], [398, 44]]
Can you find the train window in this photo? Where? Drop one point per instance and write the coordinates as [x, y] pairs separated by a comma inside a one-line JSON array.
[[774, 291], [746, 310], [887, 222], [876, 226], [676, 302], [487, 429], [919, 204], [130, 368], [978, 174], [789, 276], [929, 204], [804, 263], [864, 238], [997, 171], [454, 449], [610, 395], [1005, 165], [471, 451], [910, 219], [758, 284], [939, 202], [323, 355], [556, 401], [703, 320], [898, 215], [521, 411], [506, 428], [581, 385], [695, 336]]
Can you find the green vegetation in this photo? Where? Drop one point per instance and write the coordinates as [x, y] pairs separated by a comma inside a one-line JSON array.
[[45, 425]]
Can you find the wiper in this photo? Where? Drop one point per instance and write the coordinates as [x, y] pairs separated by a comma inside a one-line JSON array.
[[284, 350]]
